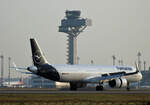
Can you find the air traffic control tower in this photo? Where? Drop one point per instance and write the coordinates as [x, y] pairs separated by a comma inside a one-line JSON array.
[[73, 25]]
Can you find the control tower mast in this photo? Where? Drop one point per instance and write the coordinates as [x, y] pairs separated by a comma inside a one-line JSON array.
[[73, 25]]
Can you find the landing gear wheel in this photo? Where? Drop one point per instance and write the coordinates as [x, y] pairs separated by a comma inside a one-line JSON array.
[[128, 86], [73, 86], [99, 88]]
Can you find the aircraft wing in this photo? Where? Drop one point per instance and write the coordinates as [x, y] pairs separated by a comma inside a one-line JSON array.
[[104, 77]]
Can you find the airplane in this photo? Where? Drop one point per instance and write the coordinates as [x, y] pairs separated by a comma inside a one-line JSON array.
[[80, 75], [14, 83]]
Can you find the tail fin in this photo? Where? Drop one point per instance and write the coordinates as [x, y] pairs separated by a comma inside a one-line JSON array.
[[37, 55]]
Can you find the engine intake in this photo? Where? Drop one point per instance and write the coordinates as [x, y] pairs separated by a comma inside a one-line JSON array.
[[118, 83]]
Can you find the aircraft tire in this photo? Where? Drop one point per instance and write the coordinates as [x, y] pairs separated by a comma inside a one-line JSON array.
[[99, 88]]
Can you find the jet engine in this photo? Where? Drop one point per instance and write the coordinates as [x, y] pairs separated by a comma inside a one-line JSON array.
[[33, 69], [118, 83]]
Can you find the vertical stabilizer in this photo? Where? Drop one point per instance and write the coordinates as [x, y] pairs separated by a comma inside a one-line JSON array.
[[37, 55]]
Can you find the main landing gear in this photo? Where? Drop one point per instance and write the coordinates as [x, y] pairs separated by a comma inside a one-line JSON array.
[[100, 87], [128, 86], [73, 86]]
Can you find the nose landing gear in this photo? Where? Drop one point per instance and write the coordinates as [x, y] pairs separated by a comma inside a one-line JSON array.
[[100, 87]]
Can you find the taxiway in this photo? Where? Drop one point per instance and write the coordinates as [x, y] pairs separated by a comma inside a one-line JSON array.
[[80, 91]]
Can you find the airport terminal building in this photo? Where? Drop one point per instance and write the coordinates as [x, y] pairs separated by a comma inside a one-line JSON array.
[[40, 82], [145, 82]]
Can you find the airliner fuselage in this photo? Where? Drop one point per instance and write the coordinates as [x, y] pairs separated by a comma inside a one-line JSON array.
[[79, 75]]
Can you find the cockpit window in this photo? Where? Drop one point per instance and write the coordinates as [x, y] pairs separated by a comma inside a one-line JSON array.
[[124, 68]]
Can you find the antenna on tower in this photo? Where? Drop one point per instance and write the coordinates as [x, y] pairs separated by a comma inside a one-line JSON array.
[[73, 25]]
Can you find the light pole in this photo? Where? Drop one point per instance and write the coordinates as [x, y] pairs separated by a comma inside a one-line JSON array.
[[2, 69], [139, 60], [9, 60], [121, 62], [139, 65], [144, 65], [114, 58], [78, 58], [92, 62]]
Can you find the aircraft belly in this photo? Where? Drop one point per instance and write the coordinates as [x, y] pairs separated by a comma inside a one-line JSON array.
[[72, 77]]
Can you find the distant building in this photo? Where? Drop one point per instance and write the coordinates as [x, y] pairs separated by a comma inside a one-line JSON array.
[[39, 82], [15, 84], [145, 82]]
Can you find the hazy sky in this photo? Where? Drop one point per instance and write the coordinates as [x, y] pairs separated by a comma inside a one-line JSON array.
[[120, 27]]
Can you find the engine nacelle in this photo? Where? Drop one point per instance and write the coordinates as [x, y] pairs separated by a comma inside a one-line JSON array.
[[33, 69], [118, 83]]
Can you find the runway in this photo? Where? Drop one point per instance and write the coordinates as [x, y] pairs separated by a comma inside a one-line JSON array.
[[64, 91]]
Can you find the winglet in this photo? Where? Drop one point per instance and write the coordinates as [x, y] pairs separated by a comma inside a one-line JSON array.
[[137, 67]]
